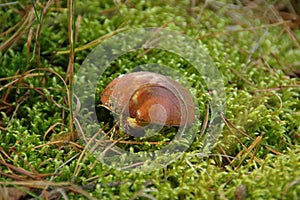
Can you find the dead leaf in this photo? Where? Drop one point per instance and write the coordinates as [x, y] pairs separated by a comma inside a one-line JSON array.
[[11, 193]]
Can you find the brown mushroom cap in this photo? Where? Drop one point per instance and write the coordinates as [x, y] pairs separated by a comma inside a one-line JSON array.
[[151, 98]]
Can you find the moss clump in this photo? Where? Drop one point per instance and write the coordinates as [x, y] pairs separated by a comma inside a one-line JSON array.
[[257, 155]]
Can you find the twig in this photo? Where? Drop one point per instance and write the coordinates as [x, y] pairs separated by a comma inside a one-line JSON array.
[[240, 30], [70, 70]]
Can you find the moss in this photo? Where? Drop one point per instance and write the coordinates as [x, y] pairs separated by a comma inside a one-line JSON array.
[[257, 154]]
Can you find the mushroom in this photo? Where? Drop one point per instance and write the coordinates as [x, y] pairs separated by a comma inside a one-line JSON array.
[[143, 98]]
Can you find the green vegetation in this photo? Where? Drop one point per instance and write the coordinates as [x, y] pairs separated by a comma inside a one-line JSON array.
[[257, 155]]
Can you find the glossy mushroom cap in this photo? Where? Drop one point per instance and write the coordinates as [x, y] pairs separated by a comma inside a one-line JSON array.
[[150, 98]]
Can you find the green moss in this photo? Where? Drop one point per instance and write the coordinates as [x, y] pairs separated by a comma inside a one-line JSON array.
[[261, 101]]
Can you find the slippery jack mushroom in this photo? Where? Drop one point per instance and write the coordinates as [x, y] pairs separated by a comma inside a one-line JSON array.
[[145, 98]]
